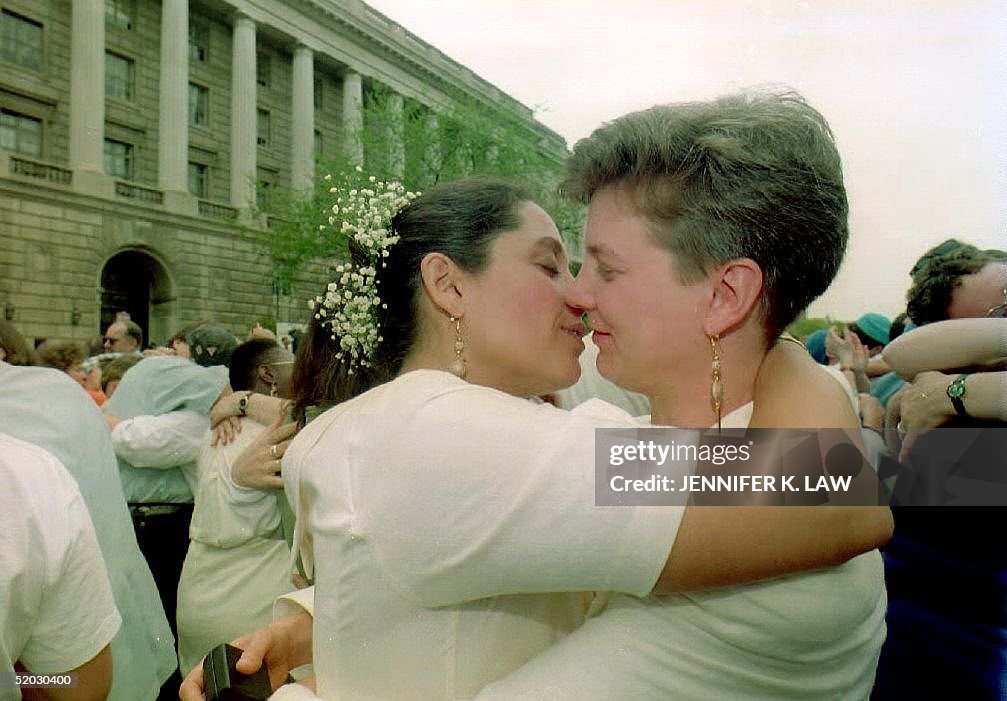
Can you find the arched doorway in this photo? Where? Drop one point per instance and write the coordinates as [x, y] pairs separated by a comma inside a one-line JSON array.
[[135, 281]]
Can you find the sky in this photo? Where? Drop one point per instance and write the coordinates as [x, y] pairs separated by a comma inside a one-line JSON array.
[[915, 91]]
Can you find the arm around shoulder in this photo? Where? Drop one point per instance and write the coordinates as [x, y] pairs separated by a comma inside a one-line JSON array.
[[943, 345], [723, 546]]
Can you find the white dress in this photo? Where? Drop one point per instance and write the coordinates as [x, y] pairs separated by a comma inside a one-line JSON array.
[[237, 562], [443, 514]]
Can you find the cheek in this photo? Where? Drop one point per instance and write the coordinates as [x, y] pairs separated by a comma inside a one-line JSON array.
[[626, 307], [528, 300], [651, 317]]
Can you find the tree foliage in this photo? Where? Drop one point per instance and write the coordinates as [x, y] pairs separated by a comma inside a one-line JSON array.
[[404, 140]]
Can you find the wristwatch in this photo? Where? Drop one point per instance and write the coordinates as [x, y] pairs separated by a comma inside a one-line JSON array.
[[243, 403], [956, 390]]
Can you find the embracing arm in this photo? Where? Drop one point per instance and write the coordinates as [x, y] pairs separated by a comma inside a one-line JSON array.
[[721, 546], [535, 526], [956, 343], [923, 404], [259, 407], [164, 441]]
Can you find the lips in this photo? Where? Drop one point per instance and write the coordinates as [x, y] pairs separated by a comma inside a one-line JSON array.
[[577, 329], [594, 328]]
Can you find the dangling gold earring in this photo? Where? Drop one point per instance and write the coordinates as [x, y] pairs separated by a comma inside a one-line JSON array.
[[716, 387], [458, 366], [272, 390]]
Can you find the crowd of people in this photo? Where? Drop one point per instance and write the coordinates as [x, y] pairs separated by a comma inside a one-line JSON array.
[[403, 506]]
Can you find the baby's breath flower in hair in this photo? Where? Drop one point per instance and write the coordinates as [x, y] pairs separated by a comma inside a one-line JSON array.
[[350, 304]]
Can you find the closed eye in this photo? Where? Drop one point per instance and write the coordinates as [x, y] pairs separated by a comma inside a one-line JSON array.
[[604, 271]]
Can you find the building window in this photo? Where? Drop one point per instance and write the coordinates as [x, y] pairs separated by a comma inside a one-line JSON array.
[[119, 13], [263, 194], [20, 41], [198, 179], [319, 91], [118, 77], [20, 134], [262, 127], [199, 42], [262, 70], [119, 159], [199, 105]]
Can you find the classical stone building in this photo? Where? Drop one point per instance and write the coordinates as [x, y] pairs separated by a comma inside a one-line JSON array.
[[136, 134]]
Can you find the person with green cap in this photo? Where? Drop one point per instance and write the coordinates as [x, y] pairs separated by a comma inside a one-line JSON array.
[[874, 330]]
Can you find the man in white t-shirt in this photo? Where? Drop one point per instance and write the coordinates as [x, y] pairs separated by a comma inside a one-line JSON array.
[[57, 614]]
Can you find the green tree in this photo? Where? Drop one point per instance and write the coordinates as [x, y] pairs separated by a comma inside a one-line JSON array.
[[404, 140]]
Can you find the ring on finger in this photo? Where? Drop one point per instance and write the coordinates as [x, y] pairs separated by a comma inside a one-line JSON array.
[[273, 453]]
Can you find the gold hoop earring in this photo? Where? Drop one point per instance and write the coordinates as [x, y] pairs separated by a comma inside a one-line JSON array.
[[716, 386], [458, 367]]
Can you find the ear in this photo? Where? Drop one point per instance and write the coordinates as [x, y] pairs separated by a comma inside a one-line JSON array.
[[266, 375], [736, 289], [441, 277]]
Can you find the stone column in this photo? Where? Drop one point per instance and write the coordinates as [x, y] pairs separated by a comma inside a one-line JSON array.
[[87, 88], [302, 138], [396, 136], [173, 105], [243, 117], [353, 116]]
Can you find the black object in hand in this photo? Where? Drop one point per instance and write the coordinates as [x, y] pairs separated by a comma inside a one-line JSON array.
[[222, 682]]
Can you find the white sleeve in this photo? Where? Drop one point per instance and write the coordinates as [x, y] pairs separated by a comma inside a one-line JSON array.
[[481, 494], [76, 606], [76, 615], [295, 602], [164, 441]]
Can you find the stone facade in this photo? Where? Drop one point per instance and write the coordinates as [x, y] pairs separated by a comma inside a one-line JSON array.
[[79, 241]]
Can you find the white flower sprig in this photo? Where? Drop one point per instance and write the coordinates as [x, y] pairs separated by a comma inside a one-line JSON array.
[[350, 304]]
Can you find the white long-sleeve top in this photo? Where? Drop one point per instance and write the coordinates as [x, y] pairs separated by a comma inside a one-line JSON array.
[[168, 441]]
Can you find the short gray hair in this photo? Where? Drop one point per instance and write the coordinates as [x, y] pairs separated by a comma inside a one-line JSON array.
[[755, 175]]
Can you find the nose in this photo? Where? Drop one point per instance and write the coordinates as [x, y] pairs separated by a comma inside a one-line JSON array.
[[577, 295]]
